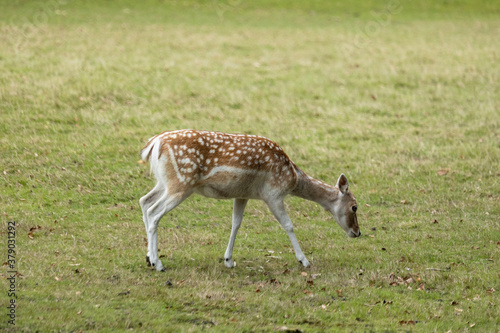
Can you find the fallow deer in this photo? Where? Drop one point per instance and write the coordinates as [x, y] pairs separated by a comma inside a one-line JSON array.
[[234, 166]]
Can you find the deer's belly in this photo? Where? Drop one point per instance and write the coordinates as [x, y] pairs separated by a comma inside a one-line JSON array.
[[227, 184]]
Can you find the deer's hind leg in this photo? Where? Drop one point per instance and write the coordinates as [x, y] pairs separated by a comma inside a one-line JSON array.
[[166, 203], [146, 202]]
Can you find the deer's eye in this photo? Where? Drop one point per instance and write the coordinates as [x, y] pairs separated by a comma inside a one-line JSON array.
[[354, 208]]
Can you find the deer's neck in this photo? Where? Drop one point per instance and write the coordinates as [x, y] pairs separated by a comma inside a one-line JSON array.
[[314, 190]]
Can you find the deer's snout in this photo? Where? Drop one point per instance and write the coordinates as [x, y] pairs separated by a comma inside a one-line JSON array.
[[353, 234]]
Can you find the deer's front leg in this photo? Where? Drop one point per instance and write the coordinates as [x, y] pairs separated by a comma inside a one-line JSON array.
[[238, 209], [277, 207]]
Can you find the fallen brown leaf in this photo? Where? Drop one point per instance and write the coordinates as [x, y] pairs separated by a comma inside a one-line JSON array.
[[442, 172]]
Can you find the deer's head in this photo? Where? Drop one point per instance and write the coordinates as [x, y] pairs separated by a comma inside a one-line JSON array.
[[344, 208]]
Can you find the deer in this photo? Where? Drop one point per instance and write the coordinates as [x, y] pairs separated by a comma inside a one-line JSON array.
[[239, 167]]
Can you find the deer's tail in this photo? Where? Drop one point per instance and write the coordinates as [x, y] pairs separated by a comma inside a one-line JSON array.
[[151, 153], [151, 149]]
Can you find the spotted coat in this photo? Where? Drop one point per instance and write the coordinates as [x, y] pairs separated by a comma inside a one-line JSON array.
[[237, 162]]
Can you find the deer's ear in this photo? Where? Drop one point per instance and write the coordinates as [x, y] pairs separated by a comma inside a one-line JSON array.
[[343, 184]]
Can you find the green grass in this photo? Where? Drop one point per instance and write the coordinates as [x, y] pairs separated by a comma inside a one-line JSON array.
[[402, 97]]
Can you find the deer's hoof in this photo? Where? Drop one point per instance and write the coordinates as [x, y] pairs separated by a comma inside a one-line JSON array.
[[305, 262], [159, 267], [229, 262]]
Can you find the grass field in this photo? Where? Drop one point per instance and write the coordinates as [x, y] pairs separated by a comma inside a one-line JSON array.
[[402, 97]]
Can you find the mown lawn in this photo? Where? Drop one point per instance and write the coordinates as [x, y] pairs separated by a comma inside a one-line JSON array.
[[402, 97]]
